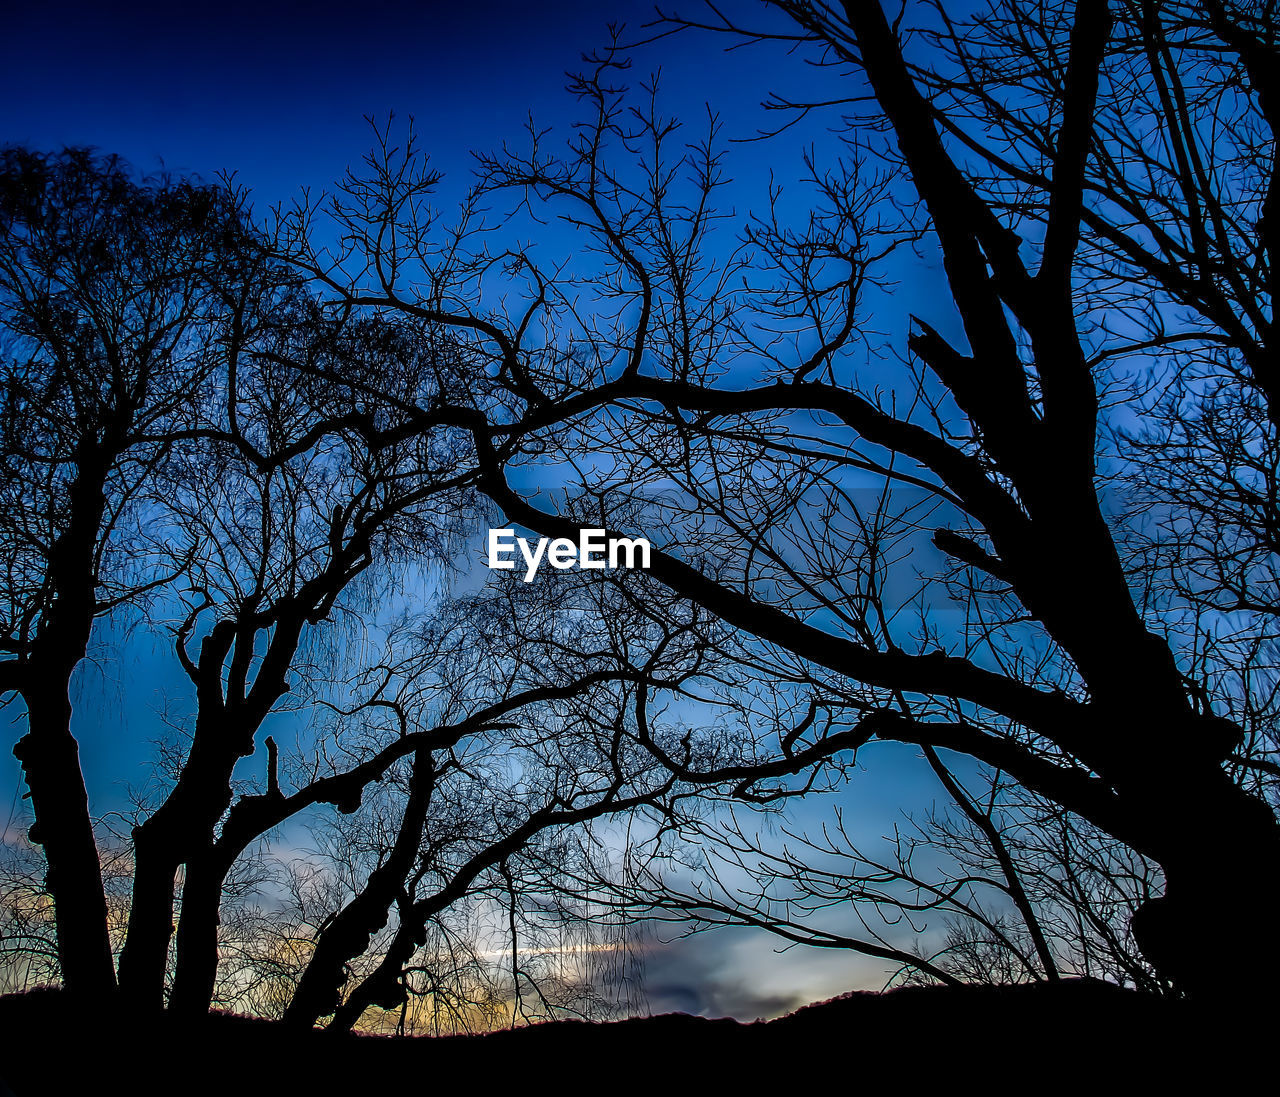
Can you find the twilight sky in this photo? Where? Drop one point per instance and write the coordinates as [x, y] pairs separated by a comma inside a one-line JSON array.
[[277, 93]]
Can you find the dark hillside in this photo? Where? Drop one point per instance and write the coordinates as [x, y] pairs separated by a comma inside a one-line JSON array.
[[1024, 1039]]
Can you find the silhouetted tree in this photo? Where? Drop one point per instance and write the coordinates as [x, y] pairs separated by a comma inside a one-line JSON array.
[[296, 499], [113, 297], [264, 471], [475, 809], [1017, 151], [1040, 534]]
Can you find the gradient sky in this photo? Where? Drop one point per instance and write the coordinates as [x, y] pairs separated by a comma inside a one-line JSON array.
[[278, 93]]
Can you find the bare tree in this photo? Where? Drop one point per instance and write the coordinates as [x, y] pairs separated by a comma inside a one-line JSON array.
[[113, 293], [272, 499], [737, 418], [293, 504], [963, 536], [476, 810]]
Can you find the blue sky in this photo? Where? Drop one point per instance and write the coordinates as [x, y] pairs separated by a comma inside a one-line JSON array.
[[278, 94]]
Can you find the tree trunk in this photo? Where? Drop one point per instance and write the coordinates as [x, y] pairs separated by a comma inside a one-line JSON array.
[[49, 753], [146, 951], [348, 934], [179, 831], [50, 760], [384, 987], [1223, 850], [196, 969]]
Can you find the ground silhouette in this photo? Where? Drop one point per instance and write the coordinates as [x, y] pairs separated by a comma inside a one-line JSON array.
[[1041, 1038]]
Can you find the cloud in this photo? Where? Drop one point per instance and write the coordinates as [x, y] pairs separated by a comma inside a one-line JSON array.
[[740, 973]]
